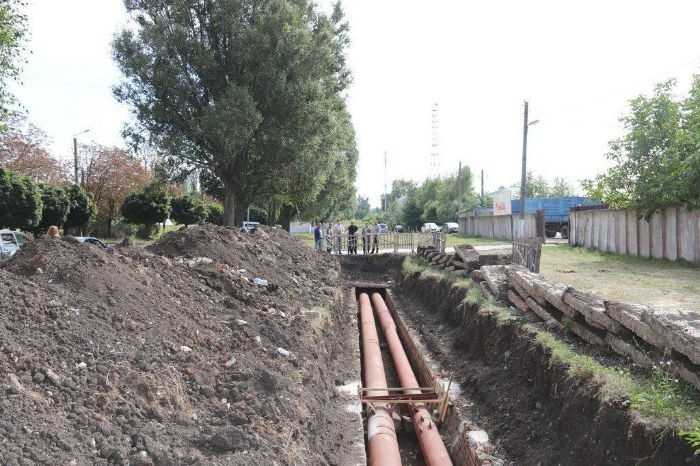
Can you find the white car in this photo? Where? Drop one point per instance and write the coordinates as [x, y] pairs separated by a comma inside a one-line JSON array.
[[10, 243], [430, 228], [451, 227], [247, 226]]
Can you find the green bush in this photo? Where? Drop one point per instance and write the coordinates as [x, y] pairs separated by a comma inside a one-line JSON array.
[[148, 206], [82, 208], [56, 207], [187, 210], [215, 214], [20, 201]]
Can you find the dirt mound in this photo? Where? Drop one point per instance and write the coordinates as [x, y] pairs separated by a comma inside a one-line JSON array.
[[130, 357]]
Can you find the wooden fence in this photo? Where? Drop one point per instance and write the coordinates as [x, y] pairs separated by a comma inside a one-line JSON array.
[[672, 233], [392, 241]]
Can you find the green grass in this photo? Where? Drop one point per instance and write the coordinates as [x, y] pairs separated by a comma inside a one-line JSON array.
[[648, 281], [455, 239], [659, 396]]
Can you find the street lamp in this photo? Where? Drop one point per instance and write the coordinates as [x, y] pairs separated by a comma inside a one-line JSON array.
[[75, 153]]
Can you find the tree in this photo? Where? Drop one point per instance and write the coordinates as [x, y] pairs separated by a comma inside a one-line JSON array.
[[20, 201], [362, 207], [656, 161], [147, 206], [215, 214], [186, 210], [110, 174], [13, 28], [238, 87], [561, 188], [56, 207], [23, 149], [82, 208]]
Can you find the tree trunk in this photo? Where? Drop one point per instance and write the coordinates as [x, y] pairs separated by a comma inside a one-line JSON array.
[[109, 228], [229, 205], [286, 214]]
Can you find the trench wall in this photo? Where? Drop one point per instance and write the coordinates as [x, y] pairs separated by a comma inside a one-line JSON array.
[[605, 431]]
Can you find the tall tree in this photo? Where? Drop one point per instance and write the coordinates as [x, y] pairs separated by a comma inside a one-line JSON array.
[[238, 87], [56, 206], [561, 188], [362, 206], [111, 174], [13, 28], [656, 161], [20, 201], [24, 149], [82, 208]]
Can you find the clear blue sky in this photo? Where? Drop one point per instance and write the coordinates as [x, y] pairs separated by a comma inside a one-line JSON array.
[[577, 64]]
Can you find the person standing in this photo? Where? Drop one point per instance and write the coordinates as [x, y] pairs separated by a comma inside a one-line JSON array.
[[375, 237], [318, 237], [366, 240], [338, 230], [352, 238], [329, 238]]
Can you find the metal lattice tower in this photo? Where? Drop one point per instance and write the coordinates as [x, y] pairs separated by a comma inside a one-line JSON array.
[[435, 150]]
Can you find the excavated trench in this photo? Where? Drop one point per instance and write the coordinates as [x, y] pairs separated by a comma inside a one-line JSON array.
[[467, 444], [509, 404]]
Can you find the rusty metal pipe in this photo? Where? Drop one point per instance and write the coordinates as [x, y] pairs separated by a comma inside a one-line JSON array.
[[381, 435], [429, 440]]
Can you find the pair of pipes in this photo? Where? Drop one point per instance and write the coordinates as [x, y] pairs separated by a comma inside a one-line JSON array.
[[381, 436]]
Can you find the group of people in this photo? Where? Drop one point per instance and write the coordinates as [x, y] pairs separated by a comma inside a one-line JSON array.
[[332, 237]]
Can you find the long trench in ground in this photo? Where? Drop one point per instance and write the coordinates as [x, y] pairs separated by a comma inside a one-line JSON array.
[[380, 274], [408, 443]]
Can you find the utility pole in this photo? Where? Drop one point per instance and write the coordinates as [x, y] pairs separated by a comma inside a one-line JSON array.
[[459, 186], [75, 155], [523, 176], [482, 189], [385, 203], [75, 158]]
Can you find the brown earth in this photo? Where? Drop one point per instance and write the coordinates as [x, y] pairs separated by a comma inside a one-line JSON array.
[[172, 354], [533, 411]]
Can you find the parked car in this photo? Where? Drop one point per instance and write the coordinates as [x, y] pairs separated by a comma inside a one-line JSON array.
[[91, 240], [398, 228], [11, 242], [383, 228], [247, 226], [450, 227], [430, 228]]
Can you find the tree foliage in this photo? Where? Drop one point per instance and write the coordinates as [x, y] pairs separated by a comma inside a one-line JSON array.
[[657, 161], [434, 200], [363, 207], [147, 206], [13, 29], [187, 210], [20, 201], [56, 207], [24, 149], [215, 213], [82, 208], [109, 175], [246, 89]]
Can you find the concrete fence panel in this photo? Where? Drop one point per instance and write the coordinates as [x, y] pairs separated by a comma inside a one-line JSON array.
[[671, 233], [505, 227]]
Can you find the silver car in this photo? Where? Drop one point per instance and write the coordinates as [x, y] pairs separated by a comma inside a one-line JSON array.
[[11, 242]]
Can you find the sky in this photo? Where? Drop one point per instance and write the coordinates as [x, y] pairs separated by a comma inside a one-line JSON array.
[[576, 63]]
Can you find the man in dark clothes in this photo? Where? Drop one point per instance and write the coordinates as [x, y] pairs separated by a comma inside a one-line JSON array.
[[352, 238], [318, 237]]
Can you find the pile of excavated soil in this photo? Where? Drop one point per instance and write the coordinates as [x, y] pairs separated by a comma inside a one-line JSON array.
[[170, 355]]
